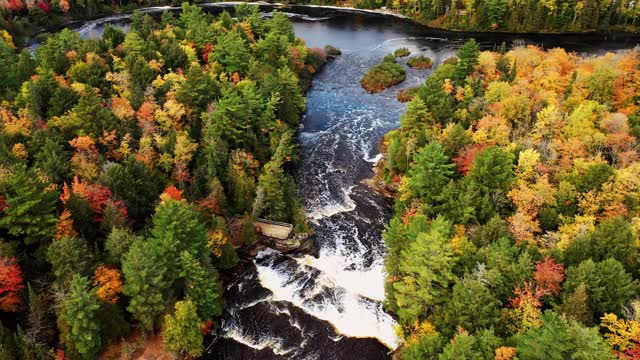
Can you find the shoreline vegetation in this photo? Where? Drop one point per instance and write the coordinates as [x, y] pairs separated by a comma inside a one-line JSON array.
[[23, 19], [516, 224], [383, 75], [122, 159]]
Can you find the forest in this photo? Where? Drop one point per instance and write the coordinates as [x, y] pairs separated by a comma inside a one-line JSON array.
[[25, 17], [516, 177], [121, 159]]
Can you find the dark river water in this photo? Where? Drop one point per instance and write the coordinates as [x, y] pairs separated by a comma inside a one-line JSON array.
[[330, 307]]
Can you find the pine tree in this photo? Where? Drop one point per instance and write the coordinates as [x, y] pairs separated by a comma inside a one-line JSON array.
[[145, 283], [550, 341], [425, 271], [432, 171], [202, 286], [69, 256], [30, 213], [472, 306], [272, 182], [467, 59], [232, 52], [181, 334], [79, 310], [177, 227]]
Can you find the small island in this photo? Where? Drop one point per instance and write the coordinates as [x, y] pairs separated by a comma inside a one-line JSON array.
[[420, 62], [402, 52], [383, 75]]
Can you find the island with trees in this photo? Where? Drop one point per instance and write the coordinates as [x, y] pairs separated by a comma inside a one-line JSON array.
[[517, 208]]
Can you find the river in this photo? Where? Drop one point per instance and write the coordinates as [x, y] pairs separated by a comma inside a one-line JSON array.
[[330, 307]]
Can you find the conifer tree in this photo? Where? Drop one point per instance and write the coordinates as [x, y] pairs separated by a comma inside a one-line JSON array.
[[181, 334], [432, 171], [425, 268], [145, 283], [30, 214], [79, 310], [467, 59], [202, 286]]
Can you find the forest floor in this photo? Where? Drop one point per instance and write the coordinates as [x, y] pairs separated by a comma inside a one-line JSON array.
[[137, 347]]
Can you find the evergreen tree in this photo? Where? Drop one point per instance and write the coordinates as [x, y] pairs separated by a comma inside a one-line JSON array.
[[493, 170], [181, 334], [177, 227], [69, 256], [272, 182], [137, 185], [550, 341], [30, 213], [432, 171], [79, 310], [467, 59], [202, 286], [145, 283], [472, 306], [462, 346], [609, 287], [425, 270], [232, 52]]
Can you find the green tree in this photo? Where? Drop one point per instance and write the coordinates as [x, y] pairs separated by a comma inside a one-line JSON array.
[[69, 256], [145, 283], [427, 347], [232, 52], [177, 227], [467, 59], [113, 36], [137, 185], [462, 346], [285, 86], [609, 287], [53, 160], [587, 343], [118, 243], [272, 182], [472, 306], [198, 90], [181, 333], [30, 212], [8, 60], [431, 172], [425, 271], [79, 310], [202, 286], [493, 170], [550, 341]]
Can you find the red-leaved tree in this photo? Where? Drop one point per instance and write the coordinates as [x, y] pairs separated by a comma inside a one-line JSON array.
[[549, 275], [11, 284]]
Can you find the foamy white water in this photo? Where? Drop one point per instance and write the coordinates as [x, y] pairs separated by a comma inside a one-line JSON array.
[[356, 316]]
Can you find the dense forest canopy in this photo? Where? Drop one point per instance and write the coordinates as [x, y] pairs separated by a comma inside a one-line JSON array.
[[517, 213], [519, 15], [24, 17], [121, 159]]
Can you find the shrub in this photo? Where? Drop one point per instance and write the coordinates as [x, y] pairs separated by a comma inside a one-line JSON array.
[[401, 52], [382, 76], [389, 59], [332, 51], [406, 95], [420, 62]]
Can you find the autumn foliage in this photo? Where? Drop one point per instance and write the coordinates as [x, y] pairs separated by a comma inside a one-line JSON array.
[[11, 285], [109, 283]]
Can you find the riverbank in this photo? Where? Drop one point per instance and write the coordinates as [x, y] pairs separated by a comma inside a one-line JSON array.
[[435, 28]]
